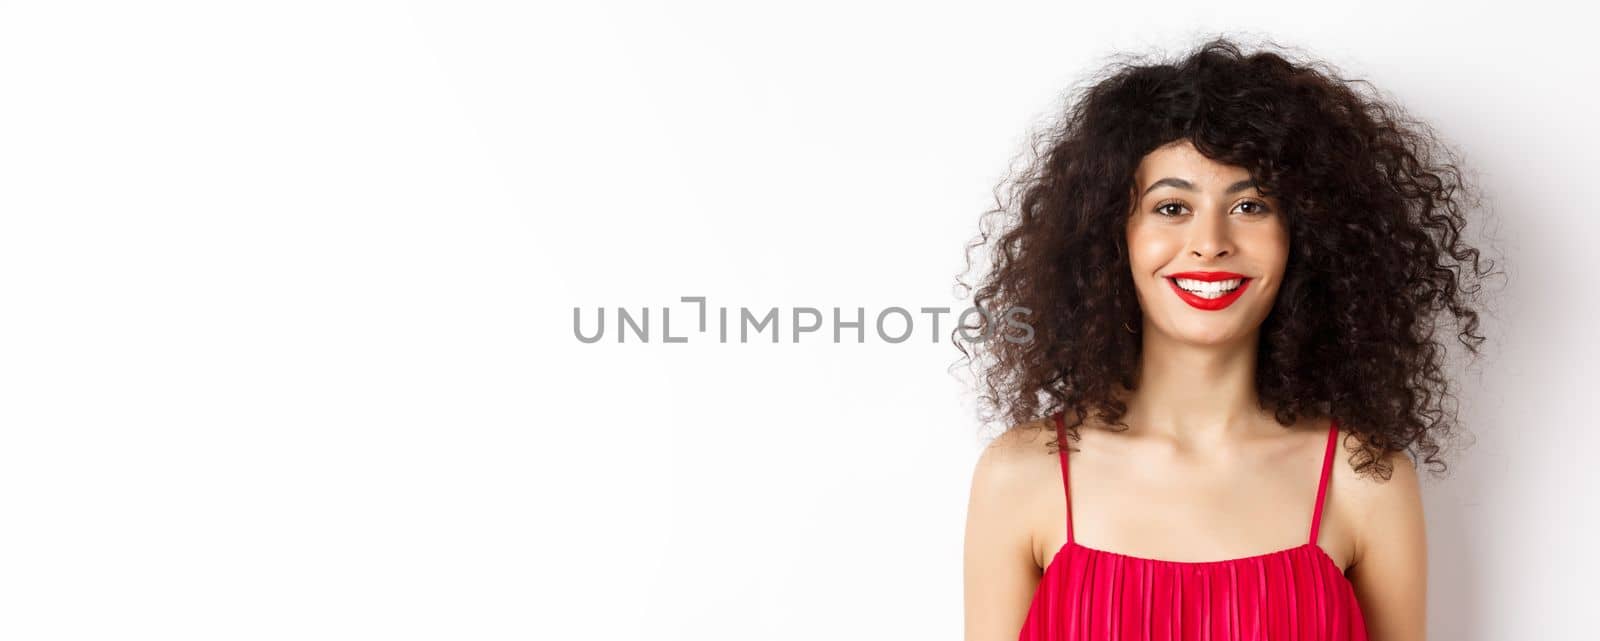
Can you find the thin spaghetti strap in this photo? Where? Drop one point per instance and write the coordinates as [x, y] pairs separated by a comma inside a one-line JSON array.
[[1061, 450], [1322, 485]]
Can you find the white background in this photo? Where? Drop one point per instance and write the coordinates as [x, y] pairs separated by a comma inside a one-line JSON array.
[[286, 294]]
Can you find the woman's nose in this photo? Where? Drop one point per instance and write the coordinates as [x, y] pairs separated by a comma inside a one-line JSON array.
[[1211, 237]]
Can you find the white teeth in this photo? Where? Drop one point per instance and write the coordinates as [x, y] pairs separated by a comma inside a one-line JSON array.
[[1209, 289]]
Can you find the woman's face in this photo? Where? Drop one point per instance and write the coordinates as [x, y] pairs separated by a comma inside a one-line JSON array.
[[1199, 228]]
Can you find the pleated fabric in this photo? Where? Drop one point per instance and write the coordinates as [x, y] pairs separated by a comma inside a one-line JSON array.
[[1293, 594]]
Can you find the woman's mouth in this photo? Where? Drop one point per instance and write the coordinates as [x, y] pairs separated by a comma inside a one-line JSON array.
[[1209, 295]]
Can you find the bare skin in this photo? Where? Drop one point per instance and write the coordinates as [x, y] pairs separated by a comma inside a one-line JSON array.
[[1201, 473]]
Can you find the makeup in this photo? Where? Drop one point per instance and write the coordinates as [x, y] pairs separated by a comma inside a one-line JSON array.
[[1209, 291]]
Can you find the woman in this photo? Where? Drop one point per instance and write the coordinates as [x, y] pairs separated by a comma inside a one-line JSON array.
[[1233, 266]]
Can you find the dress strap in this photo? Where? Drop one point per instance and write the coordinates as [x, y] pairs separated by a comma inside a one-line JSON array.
[[1061, 450], [1322, 486]]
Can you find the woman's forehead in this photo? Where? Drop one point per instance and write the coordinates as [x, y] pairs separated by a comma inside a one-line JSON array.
[[1181, 166]]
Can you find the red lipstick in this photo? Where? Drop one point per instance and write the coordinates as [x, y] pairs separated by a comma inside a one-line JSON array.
[[1208, 304]]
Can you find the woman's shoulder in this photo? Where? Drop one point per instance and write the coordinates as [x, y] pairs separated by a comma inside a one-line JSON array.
[[1393, 474], [1382, 501], [1018, 457], [1392, 479], [1021, 444]]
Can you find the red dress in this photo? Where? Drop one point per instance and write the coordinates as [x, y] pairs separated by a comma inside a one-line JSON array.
[[1297, 593]]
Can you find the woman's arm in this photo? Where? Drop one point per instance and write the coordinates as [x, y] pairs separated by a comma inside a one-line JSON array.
[[1390, 573], [999, 572]]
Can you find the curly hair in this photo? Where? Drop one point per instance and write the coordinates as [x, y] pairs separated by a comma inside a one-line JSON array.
[[1374, 203]]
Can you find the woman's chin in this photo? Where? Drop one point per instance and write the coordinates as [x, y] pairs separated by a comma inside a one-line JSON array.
[[1211, 334]]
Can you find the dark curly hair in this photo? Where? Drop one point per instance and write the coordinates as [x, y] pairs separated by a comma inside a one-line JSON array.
[[1374, 203]]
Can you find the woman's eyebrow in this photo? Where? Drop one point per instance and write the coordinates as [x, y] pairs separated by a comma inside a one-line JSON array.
[[1189, 186]]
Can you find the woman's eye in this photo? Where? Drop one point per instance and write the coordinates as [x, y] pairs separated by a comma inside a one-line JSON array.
[[1258, 208], [1176, 209]]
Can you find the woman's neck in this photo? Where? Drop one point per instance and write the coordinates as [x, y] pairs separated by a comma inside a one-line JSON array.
[[1195, 393]]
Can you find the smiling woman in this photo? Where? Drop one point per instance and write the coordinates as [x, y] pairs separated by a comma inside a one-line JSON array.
[[1199, 214], [1236, 263]]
